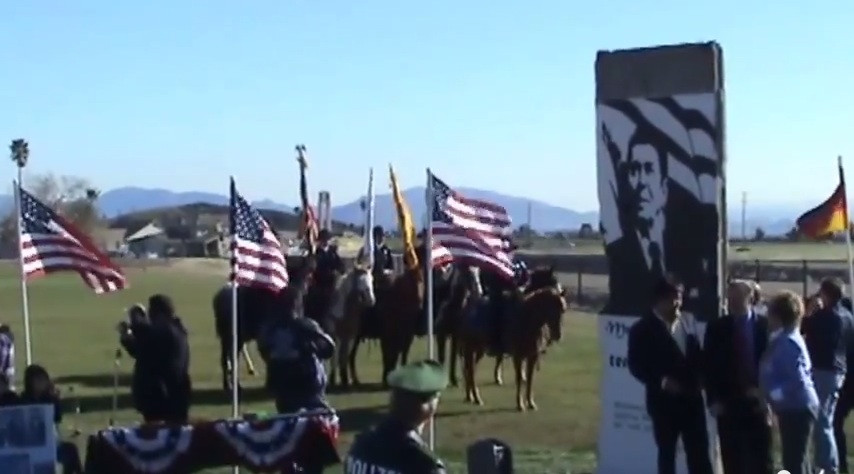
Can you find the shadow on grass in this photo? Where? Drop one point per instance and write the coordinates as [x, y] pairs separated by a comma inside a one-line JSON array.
[[201, 397], [93, 380], [361, 388]]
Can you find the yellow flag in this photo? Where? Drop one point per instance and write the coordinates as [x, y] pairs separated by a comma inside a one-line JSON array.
[[404, 223]]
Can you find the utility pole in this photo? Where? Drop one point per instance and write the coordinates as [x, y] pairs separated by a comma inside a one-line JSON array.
[[530, 230], [744, 215]]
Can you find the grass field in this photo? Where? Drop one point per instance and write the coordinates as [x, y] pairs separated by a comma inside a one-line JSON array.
[[74, 337]]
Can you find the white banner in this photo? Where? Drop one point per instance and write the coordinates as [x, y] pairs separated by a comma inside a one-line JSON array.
[[626, 444]]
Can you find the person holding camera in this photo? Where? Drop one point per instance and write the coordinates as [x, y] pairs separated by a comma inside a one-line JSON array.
[[294, 349], [161, 381]]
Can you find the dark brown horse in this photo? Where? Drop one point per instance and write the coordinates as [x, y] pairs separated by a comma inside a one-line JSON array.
[[399, 309], [254, 305]]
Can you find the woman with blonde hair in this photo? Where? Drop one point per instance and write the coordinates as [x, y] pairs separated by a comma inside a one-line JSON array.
[[786, 380]]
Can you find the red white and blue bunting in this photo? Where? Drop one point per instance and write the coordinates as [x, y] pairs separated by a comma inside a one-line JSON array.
[[274, 445]]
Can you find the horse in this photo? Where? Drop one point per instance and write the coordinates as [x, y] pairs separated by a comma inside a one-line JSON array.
[[528, 314], [353, 294], [400, 311], [254, 305], [535, 326]]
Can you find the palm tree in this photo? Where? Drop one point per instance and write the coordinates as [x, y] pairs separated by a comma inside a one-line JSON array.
[[20, 152]]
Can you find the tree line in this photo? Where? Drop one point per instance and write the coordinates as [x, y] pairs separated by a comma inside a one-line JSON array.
[[72, 197]]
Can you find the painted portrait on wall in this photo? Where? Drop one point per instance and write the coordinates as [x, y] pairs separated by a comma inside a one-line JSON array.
[[659, 189]]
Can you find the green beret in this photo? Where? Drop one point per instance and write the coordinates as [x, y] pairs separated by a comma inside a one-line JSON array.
[[426, 377]]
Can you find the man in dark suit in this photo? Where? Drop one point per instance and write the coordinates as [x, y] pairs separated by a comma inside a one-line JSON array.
[[732, 347], [664, 356], [665, 230]]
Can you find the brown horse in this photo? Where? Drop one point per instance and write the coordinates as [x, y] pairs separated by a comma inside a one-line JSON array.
[[535, 326], [353, 294], [534, 316]]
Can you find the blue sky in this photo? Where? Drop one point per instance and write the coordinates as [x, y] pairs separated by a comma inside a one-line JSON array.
[[492, 94]]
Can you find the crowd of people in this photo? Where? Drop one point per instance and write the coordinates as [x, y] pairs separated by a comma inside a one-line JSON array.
[[778, 362]]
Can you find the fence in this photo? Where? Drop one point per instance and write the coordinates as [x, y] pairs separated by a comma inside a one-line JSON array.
[[586, 276], [589, 283]]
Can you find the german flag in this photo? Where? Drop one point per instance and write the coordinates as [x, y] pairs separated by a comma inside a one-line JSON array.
[[829, 217]]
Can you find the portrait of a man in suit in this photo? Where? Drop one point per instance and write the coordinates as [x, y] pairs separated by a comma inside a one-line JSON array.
[[663, 228]]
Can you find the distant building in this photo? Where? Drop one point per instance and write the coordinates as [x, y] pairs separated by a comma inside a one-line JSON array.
[[149, 241]]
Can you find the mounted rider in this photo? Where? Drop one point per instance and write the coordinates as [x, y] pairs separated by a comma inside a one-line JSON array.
[[382, 269], [383, 260], [500, 295], [326, 254]]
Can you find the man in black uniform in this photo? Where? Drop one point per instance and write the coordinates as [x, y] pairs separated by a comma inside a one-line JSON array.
[[382, 254], [395, 445], [328, 260]]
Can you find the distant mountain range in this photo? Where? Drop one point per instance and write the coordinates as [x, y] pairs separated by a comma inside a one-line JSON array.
[[774, 220]]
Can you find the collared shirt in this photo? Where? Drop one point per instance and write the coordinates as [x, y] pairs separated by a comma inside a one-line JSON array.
[[677, 331]]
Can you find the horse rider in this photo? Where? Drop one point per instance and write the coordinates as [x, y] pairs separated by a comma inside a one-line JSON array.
[[395, 444], [294, 349], [383, 260], [328, 260], [500, 294]]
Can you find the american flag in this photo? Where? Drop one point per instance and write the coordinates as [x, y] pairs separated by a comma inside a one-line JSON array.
[[49, 243], [469, 231], [257, 258]]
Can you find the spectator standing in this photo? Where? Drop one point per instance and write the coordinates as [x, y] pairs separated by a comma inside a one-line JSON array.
[[732, 348], [294, 350], [666, 359], [785, 377], [829, 333], [161, 381]]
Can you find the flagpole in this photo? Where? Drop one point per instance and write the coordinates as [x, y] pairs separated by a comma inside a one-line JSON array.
[[428, 293], [847, 229], [368, 255], [235, 367], [25, 300]]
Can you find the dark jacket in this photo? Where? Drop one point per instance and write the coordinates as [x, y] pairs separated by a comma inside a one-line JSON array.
[[725, 379], [828, 334], [654, 354], [9, 398], [389, 447], [161, 386], [328, 260], [383, 259]]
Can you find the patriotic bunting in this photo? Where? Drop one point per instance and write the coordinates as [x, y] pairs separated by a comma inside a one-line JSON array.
[[275, 445]]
